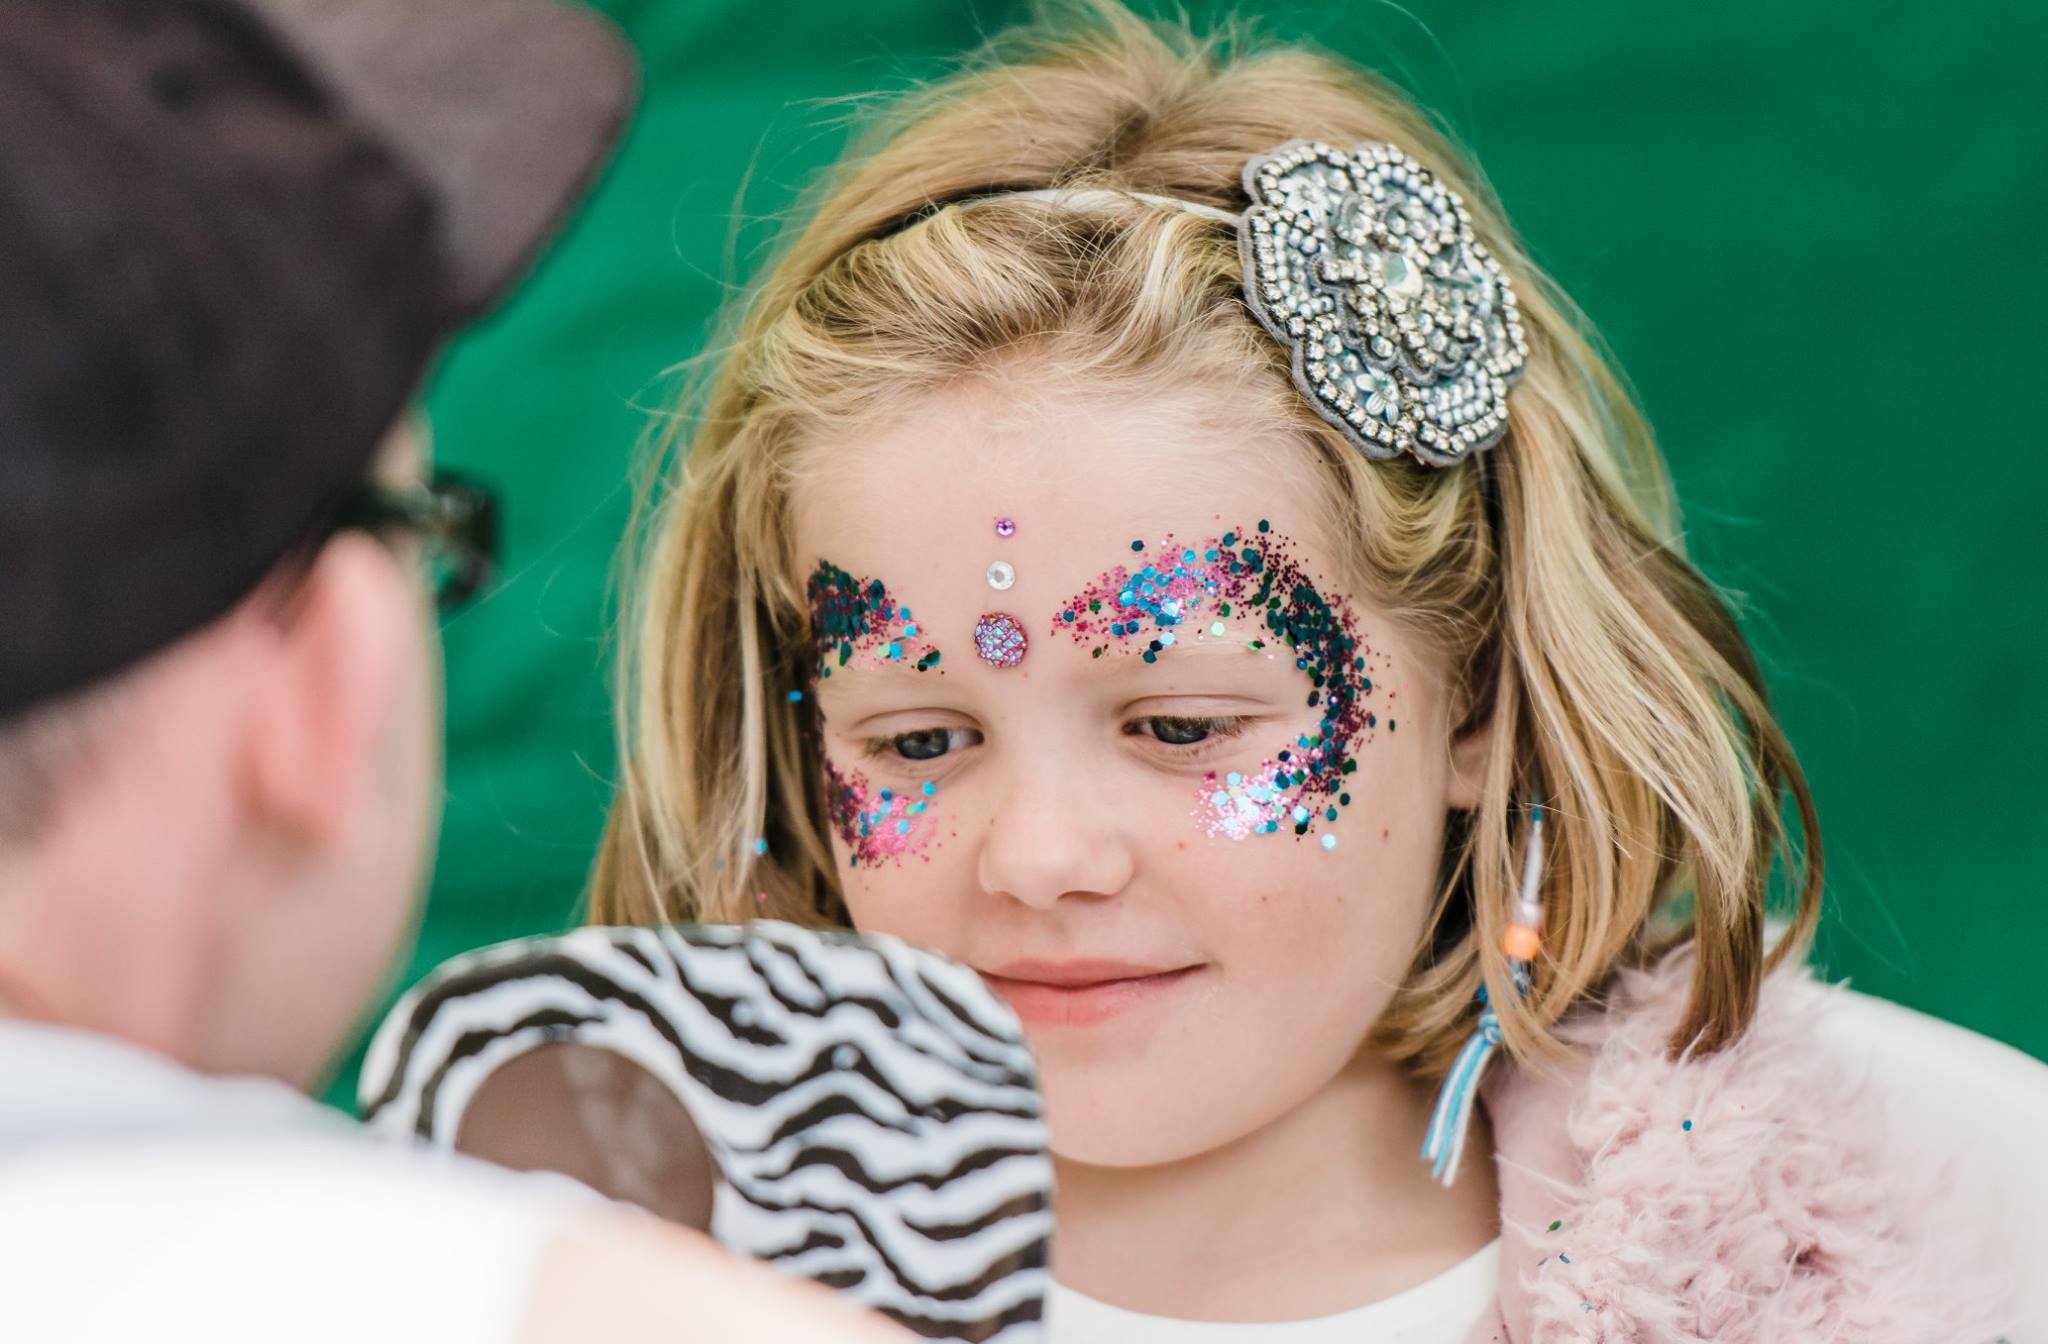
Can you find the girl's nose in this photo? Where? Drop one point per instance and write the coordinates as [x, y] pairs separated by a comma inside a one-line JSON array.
[[1056, 833]]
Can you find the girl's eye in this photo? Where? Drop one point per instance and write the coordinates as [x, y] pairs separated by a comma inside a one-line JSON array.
[[1175, 731], [926, 744]]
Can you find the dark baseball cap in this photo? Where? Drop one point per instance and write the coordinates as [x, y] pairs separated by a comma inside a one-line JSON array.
[[232, 236]]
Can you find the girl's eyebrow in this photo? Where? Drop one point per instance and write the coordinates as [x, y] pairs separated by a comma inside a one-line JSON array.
[[854, 618]]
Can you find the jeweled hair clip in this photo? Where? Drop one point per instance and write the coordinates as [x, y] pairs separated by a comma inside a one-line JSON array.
[[1404, 329]]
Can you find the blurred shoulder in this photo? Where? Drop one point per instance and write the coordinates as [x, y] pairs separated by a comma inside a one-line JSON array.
[[311, 1236], [1770, 1181]]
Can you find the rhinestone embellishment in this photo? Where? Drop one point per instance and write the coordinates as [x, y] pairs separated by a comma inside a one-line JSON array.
[[1001, 576], [999, 639], [1403, 328]]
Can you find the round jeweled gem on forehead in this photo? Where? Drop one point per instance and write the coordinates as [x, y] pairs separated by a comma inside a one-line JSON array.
[[999, 639], [1006, 527], [1001, 575]]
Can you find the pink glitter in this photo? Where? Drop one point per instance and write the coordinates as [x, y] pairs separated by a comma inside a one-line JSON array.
[[878, 825], [1240, 805], [1250, 578]]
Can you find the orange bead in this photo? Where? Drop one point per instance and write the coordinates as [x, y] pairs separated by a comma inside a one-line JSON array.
[[1521, 943]]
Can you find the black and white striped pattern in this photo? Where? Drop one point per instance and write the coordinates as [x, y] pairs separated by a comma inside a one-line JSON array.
[[872, 1107]]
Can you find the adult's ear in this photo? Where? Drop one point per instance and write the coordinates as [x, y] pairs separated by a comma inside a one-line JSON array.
[[339, 638]]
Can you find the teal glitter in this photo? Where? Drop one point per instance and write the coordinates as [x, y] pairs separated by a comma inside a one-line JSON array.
[[1255, 571], [849, 614]]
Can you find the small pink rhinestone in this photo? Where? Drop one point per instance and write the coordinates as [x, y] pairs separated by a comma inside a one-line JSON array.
[[1005, 528]]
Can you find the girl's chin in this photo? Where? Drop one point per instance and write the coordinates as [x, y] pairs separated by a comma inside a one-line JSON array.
[[1129, 1110], [1125, 1141]]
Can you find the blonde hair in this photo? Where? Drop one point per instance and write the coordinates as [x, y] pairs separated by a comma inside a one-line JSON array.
[[1621, 691]]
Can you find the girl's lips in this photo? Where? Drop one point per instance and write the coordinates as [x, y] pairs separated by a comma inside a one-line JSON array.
[[1082, 994]]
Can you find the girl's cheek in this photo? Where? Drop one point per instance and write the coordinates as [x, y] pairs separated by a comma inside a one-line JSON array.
[[879, 825], [913, 906]]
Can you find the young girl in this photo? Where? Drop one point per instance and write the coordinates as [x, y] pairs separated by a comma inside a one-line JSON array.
[[1156, 538]]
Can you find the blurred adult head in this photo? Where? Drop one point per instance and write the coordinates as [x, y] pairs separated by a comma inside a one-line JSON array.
[[232, 236]]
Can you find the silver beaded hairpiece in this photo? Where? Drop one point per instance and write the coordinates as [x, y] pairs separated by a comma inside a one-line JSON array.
[[1403, 328]]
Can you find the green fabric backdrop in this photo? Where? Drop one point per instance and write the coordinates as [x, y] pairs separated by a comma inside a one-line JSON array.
[[1809, 231]]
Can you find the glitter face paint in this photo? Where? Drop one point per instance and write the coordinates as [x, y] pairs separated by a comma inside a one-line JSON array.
[[1184, 592], [857, 618], [880, 824]]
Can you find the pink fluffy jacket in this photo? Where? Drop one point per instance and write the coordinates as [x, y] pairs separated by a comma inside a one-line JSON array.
[[1785, 1211]]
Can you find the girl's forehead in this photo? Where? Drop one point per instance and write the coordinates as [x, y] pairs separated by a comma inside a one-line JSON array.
[[960, 485]]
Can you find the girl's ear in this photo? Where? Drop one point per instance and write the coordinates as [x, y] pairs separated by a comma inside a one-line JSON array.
[[1470, 746]]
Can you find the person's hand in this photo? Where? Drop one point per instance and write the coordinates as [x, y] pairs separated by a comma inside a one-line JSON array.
[[622, 1277]]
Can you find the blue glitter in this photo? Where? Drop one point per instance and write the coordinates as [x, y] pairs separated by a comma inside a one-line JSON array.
[[930, 788], [1137, 545], [895, 651], [760, 846], [795, 696], [1329, 842]]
